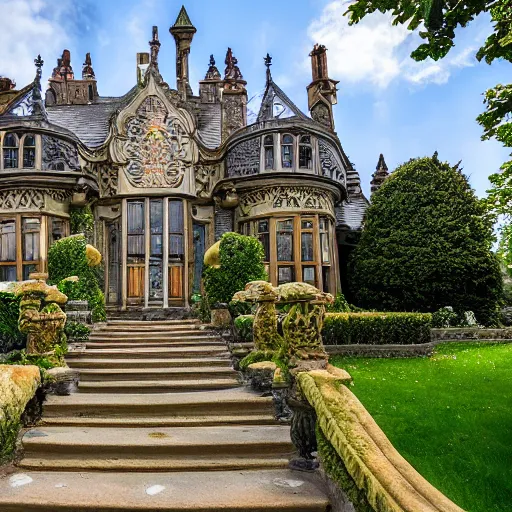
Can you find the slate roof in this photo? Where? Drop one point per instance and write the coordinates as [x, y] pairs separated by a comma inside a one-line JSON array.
[[350, 214], [90, 123], [209, 125], [9, 98]]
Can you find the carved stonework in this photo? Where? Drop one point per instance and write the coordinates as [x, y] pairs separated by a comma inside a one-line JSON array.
[[205, 179], [233, 113], [320, 113], [330, 163], [286, 198], [108, 180], [244, 158], [24, 199], [157, 148], [59, 155]]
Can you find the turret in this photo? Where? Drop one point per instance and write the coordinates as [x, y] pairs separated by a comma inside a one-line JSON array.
[[183, 32], [380, 174]]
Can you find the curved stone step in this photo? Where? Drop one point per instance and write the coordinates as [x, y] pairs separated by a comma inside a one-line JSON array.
[[84, 360], [213, 491], [126, 374], [146, 353]]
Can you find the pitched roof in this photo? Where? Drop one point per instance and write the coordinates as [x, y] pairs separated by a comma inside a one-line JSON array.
[[209, 126], [277, 105], [350, 214], [10, 98], [183, 19]]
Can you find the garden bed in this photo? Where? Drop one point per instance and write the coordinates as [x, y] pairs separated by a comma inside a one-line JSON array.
[[448, 415]]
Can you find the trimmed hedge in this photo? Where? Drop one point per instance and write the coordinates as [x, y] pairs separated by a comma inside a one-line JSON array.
[[376, 328], [10, 336]]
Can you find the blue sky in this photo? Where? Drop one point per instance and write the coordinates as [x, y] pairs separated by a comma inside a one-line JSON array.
[[386, 102]]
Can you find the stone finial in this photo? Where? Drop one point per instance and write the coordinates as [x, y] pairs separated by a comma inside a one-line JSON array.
[[154, 46], [268, 63], [87, 71], [232, 71], [212, 73], [380, 174]]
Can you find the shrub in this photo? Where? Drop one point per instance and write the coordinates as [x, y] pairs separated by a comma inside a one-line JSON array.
[[81, 220], [67, 257], [10, 336], [376, 328], [427, 243], [77, 331], [243, 326], [340, 305], [445, 317], [241, 261]]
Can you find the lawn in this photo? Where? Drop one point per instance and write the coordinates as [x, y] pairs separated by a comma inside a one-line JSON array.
[[449, 415]]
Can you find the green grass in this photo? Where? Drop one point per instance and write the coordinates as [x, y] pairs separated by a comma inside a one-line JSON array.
[[449, 415]]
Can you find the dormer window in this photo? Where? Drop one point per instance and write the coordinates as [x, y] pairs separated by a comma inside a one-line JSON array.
[[268, 144], [287, 152], [29, 151], [11, 151], [305, 152]]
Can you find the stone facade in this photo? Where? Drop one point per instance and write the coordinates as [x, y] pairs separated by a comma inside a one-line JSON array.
[[167, 172]]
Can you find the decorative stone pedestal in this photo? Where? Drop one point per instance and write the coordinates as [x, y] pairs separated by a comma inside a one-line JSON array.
[[78, 311]]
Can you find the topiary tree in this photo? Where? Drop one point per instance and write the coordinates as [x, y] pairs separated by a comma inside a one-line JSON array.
[[240, 262], [427, 244], [72, 256]]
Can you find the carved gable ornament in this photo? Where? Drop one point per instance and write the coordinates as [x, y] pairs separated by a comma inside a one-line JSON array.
[[157, 149]]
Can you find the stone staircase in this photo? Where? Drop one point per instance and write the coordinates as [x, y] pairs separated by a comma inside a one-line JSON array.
[[159, 422]]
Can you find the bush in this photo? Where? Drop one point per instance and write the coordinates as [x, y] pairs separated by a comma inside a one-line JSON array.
[[10, 336], [66, 258], [241, 261], [77, 331], [427, 243], [81, 221], [340, 305], [243, 326], [376, 328]]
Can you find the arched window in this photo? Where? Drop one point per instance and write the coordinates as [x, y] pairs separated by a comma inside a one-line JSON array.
[[305, 152], [268, 144], [29, 151], [287, 151], [11, 144]]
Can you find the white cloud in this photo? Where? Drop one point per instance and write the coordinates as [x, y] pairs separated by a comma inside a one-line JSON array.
[[376, 52], [33, 27]]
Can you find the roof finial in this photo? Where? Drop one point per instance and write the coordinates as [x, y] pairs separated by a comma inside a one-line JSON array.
[[232, 71], [87, 71], [268, 63], [212, 73], [154, 45], [36, 90]]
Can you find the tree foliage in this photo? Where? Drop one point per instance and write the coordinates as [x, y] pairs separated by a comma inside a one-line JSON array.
[[427, 244], [241, 261]]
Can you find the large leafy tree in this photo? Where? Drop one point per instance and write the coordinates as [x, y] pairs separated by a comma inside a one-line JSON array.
[[426, 244], [437, 21]]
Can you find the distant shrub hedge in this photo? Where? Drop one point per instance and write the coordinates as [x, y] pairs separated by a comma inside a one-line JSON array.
[[243, 326], [376, 328], [10, 336]]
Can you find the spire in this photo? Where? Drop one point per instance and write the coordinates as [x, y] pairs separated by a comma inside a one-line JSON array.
[[37, 100], [87, 71], [232, 71], [212, 73], [380, 174], [154, 46], [268, 63], [183, 19]]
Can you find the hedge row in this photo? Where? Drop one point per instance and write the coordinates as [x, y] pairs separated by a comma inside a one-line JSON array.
[[376, 328]]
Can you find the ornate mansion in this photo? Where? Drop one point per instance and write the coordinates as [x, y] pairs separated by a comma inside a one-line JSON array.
[[167, 172]]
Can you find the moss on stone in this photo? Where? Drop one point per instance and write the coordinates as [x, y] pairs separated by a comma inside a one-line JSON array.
[[18, 384]]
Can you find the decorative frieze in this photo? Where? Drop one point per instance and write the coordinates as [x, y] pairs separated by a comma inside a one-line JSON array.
[[108, 180], [206, 175], [234, 105], [330, 162], [30, 199], [244, 158], [59, 155], [284, 198]]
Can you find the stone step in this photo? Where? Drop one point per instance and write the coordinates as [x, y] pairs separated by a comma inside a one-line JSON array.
[[126, 374], [154, 323], [146, 353], [158, 386], [84, 360], [164, 449], [206, 343], [212, 491], [168, 405], [153, 334], [143, 422]]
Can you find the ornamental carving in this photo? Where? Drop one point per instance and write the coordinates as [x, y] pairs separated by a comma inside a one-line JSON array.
[[205, 179], [285, 198], [157, 147], [59, 155], [108, 180], [330, 162], [233, 112], [321, 114], [25, 107], [244, 158], [21, 199]]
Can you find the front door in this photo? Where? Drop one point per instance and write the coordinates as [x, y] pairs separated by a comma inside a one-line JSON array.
[[114, 262]]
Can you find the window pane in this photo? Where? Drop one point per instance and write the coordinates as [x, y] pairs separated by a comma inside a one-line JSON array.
[[305, 157], [175, 216], [307, 224], [263, 226], [31, 228], [287, 156], [8, 240], [326, 273], [10, 158], [307, 246], [57, 229], [176, 247], [29, 141], [136, 217], [8, 273], [10, 141], [324, 244], [269, 158], [285, 247], [285, 275], [156, 216], [269, 140], [264, 238], [305, 139], [28, 269], [136, 246], [287, 139], [308, 275], [29, 151]]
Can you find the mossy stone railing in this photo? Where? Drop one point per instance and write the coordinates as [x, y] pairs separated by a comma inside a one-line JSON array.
[[357, 455]]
